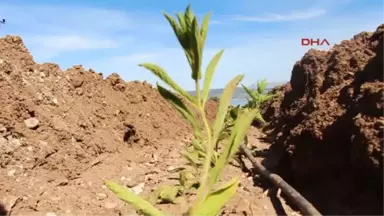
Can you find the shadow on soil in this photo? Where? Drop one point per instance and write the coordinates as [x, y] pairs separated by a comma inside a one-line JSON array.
[[3, 211], [259, 181], [272, 192]]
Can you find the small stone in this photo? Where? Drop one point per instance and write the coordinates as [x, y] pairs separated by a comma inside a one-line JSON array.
[[110, 205], [59, 124], [40, 97], [129, 182], [31, 123], [55, 101], [171, 168], [101, 196], [11, 172], [2, 128], [117, 112], [43, 143], [155, 157], [50, 214], [30, 148], [138, 189]]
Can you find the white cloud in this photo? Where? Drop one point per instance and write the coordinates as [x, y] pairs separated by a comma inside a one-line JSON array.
[[292, 16], [64, 43], [46, 47]]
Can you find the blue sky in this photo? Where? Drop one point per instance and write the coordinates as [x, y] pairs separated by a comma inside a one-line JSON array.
[[261, 38]]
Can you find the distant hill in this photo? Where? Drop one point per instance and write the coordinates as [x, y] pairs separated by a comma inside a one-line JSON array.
[[240, 93]]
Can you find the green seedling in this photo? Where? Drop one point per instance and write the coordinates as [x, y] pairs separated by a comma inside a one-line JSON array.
[[204, 163], [258, 98]]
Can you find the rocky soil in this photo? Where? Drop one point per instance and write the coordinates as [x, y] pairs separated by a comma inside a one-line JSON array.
[[62, 133], [327, 126]]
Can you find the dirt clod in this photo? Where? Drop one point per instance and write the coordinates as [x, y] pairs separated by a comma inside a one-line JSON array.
[[31, 123]]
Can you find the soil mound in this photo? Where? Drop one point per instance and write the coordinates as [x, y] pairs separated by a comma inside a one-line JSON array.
[[77, 106], [327, 126], [55, 124]]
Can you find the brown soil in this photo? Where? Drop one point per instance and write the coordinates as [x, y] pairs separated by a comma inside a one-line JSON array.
[[62, 133], [327, 126]]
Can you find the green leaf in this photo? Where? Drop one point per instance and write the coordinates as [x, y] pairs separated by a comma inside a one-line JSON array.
[[216, 200], [187, 179], [190, 42], [225, 101], [209, 75], [204, 29], [179, 105], [183, 179], [259, 117], [180, 17], [261, 86], [239, 131], [192, 157], [234, 113], [194, 36], [189, 12], [197, 145], [266, 97], [252, 94], [176, 29], [160, 72], [188, 34], [168, 194], [137, 202]]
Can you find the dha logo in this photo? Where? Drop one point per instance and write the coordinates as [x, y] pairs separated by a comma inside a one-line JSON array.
[[311, 42]]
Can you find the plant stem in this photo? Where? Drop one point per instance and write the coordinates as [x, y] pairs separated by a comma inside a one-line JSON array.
[[204, 189], [208, 157], [197, 87]]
